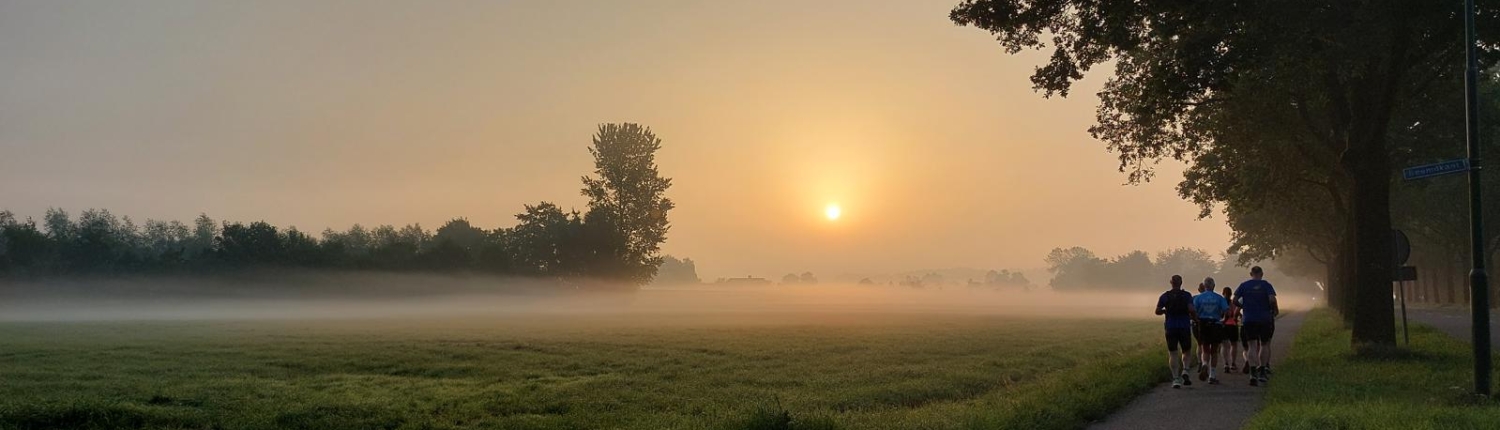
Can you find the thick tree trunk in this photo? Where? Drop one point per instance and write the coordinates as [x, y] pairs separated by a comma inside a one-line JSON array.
[[1374, 321], [1342, 286]]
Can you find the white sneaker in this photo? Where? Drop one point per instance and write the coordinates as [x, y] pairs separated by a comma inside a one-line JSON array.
[[1176, 382]]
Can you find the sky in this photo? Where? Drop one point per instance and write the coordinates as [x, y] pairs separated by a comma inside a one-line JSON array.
[[331, 113]]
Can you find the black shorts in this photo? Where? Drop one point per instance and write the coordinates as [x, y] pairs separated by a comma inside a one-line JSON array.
[[1179, 339], [1210, 332], [1231, 333], [1259, 331]]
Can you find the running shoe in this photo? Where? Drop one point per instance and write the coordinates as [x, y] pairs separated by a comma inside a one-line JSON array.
[[1262, 374], [1213, 381], [1176, 382], [1203, 373], [1186, 380]]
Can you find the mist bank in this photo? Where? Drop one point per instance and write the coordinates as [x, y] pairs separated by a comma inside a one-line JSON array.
[[366, 296], [289, 284]]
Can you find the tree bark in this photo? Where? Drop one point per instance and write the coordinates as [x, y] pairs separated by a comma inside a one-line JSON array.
[[1374, 321], [1343, 286]]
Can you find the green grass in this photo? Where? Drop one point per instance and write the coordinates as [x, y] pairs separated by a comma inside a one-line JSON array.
[[938, 372], [1323, 386]]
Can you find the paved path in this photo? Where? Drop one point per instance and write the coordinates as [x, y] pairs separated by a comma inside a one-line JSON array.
[[1231, 403], [1454, 321]]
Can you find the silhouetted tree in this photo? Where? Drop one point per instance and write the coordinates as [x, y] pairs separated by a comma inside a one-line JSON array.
[[457, 244], [676, 272], [630, 195], [1073, 268], [808, 278], [1193, 264], [539, 240], [256, 243]]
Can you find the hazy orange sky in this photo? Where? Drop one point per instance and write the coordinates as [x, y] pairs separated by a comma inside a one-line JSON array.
[[330, 113]]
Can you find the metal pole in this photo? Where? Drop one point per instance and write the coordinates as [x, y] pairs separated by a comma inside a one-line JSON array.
[[1479, 306]]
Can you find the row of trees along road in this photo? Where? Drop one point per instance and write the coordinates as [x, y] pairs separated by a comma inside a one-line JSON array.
[[1079, 269], [1293, 115], [614, 243]]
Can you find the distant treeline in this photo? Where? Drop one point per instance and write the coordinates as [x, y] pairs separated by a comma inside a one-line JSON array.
[[1078, 268], [616, 241]]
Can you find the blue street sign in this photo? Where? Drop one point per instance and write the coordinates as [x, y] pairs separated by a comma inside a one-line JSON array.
[[1435, 169]]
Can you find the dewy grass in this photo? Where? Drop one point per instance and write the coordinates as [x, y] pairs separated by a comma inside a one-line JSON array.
[[1322, 385], [938, 372]]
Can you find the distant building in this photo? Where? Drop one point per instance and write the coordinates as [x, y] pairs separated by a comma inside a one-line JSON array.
[[745, 281]]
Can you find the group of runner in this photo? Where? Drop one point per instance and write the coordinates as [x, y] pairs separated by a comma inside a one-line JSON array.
[[1242, 319]]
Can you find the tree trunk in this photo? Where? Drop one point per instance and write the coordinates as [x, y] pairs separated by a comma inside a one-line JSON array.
[[1374, 318], [1343, 286]]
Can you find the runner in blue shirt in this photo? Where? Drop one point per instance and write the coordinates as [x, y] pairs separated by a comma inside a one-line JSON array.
[[1257, 300], [1177, 306], [1209, 308]]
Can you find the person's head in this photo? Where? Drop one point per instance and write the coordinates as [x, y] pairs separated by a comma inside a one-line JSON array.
[[1226, 291], [1177, 282], [1256, 273], [1208, 284], [1201, 287]]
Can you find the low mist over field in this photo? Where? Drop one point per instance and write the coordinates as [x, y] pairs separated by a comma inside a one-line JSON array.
[[396, 296]]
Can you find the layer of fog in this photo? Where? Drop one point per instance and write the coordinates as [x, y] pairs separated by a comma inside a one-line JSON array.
[[378, 296]]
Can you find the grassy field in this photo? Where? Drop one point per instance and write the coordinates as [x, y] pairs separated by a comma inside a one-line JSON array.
[[565, 372], [1322, 386]]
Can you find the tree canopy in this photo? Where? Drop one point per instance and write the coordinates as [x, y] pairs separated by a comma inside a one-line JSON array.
[[1316, 87]]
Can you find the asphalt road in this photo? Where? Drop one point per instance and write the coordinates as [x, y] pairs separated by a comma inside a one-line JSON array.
[[1454, 321], [1203, 406]]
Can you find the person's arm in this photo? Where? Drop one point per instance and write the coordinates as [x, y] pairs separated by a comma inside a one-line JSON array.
[[1161, 305], [1193, 310], [1275, 309]]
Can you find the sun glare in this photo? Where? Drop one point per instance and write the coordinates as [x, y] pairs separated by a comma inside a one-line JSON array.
[[832, 211]]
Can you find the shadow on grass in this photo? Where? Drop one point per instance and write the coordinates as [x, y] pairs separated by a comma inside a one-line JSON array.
[[1385, 353]]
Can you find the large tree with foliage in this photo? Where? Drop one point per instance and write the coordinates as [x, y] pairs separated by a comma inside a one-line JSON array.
[[629, 194], [1348, 67]]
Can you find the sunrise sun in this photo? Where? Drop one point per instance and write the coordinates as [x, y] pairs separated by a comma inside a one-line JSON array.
[[832, 211]]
